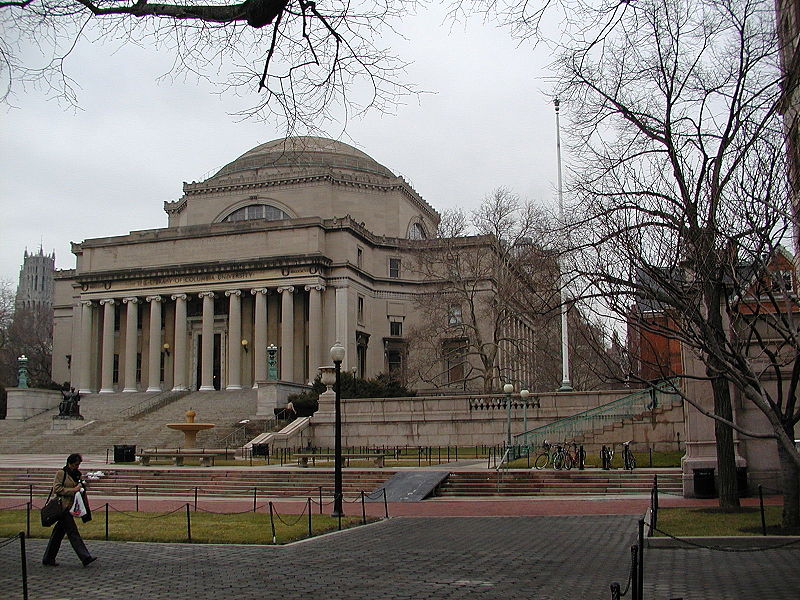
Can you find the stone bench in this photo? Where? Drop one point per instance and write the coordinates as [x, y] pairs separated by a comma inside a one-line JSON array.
[[302, 458], [206, 456]]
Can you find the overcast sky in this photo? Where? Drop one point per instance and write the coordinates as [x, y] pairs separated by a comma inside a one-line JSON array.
[[107, 168]]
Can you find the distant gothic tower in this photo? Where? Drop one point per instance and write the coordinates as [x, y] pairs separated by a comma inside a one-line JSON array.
[[35, 289]]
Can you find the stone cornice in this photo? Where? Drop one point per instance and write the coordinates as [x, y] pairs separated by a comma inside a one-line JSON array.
[[253, 183], [204, 268]]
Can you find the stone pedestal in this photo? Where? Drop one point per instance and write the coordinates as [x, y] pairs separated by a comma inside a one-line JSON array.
[[23, 403], [275, 394], [66, 424]]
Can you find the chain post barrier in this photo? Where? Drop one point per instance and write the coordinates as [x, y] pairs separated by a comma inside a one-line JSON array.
[[106, 521], [308, 502], [195, 499], [363, 509], [28, 519], [188, 524], [385, 504], [640, 574], [272, 523], [761, 507], [137, 498], [635, 573], [24, 561], [255, 496], [320, 499]]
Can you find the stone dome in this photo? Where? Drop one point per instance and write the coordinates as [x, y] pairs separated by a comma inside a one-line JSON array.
[[304, 153]]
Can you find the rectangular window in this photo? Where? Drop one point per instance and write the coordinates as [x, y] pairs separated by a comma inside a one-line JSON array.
[[454, 316], [360, 258], [138, 368], [394, 268], [361, 309], [115, 372], [396, 329], [454, 353]]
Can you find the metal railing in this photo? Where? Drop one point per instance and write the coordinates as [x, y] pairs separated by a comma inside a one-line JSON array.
[[627, 407], [151, 404]]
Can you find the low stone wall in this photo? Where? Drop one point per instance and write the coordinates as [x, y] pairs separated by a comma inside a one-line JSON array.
[[23, 403], [474, 420]]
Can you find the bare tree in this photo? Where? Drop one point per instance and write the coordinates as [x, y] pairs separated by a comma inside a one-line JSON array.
[[304, 59], [489, 314], [682, 201]]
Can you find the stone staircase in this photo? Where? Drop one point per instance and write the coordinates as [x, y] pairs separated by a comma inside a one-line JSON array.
[[560, 483], [216, 482], [233, 483], [107, 423]]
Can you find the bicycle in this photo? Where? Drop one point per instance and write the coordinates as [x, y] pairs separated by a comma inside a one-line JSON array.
[[563, 458], [606, 456], [544, 457], [628, 458]]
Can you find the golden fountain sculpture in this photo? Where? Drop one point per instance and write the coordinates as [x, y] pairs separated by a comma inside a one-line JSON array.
[[190, 429]]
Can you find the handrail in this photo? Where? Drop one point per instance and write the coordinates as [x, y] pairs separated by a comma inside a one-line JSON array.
[[241, 431], [568, 428], [149, 404]]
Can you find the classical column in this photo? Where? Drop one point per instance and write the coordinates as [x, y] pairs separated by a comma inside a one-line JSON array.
[[179, 352], [315, 328], [84, 381], [287, 333], [207, 365], [154, 363], [342, 326], [234, 340], [131, 338], [107, 364], [260, 341]]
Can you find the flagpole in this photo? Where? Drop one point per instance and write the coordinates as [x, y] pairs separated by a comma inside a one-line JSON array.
[[566, 386]]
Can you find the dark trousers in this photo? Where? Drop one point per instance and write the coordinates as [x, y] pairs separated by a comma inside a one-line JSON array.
[[65, 525]]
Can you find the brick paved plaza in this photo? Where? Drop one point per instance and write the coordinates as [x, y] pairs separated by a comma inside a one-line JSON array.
[[543, 558]]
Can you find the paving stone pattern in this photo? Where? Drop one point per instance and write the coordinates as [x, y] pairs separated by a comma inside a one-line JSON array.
[[542, 558]]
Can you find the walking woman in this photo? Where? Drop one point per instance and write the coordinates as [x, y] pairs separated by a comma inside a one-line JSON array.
[[67, 483]]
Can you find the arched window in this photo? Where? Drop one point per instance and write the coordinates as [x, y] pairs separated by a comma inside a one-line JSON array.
[[257, 211], [417, 232]]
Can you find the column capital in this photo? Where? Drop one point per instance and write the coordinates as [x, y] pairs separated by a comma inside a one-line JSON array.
[[256, 291], [153, 298], [230, 293], [206, 295], [286, 288], [85, 303], [107, 301], [130, 300], [315, 286], [179, 296]]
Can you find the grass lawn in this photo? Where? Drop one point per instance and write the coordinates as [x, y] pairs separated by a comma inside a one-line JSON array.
[[206, 528], [715, 521]]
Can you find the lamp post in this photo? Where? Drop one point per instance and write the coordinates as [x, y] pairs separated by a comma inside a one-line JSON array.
[[566, 386], [507, 389], [337, 356]]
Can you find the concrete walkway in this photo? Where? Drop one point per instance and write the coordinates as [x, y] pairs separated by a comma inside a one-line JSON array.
[[534, 548]]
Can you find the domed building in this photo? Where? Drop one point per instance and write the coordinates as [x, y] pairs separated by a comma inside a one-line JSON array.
[[297, 243]]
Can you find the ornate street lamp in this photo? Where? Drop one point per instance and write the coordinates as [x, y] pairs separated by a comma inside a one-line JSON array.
[[337, 356]]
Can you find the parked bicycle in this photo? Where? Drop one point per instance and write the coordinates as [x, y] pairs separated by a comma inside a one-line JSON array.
[[544, 457], [606, 456], [628, 458]]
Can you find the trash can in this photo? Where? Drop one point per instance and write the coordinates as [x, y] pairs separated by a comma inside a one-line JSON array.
[[704, 486], [124, 453], [741, 482], [259, 450]]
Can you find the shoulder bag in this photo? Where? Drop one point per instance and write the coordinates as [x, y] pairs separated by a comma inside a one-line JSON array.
[[52, 510]]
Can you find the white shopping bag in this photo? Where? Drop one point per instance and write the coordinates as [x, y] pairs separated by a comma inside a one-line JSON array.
[[78, 507]]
